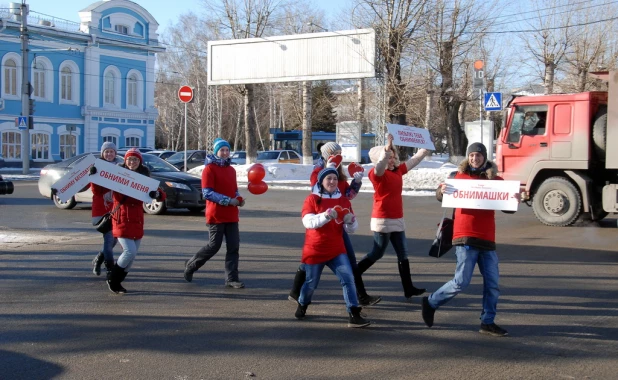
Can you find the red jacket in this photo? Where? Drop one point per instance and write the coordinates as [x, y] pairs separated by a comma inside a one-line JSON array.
[[99, 206], [222, 179]]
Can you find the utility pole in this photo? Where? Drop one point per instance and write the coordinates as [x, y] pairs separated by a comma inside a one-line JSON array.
[[25, 87]]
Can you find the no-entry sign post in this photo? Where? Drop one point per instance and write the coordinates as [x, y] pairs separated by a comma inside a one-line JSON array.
[[185, 95]]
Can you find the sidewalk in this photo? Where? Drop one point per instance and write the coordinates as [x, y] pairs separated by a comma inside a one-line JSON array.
[[15, 174]]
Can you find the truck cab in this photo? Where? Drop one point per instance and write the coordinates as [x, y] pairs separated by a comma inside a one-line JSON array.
[[555, 146]]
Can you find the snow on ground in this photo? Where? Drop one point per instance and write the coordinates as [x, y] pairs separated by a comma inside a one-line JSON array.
[[422, 180]]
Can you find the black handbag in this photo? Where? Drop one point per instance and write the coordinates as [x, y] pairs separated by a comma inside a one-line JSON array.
[[104, 225], [444, 237]]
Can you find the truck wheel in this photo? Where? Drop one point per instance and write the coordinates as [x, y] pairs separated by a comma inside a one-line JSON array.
[[599, 133], [64, 205], [557, 202]]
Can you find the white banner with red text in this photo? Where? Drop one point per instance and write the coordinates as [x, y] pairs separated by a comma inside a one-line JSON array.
[[404, 135], [124, 181], [481, 194], [75, 180]]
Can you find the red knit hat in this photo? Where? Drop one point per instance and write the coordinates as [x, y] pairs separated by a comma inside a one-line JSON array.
[[135, 153]]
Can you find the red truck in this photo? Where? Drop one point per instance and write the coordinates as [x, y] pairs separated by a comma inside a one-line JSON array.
[[559, 148]]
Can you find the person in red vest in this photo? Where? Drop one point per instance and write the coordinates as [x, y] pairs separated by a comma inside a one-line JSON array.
[[324, 244], [102, 204], [128, 223], [387, 221], [474, 238], [222, 201]]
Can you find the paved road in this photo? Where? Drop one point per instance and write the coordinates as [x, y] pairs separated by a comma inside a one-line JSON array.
[[57, 320]]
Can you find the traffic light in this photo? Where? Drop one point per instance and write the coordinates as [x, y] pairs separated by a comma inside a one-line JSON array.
[[31, 107], [479, 75]]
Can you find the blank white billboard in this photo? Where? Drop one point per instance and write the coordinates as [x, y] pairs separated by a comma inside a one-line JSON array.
[[346, 54]]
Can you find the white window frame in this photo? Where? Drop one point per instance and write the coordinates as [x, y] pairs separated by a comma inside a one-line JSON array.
[[63, 147], [74, 78], [138, 88], [42, 79], [137, 138], [37, 148], [17, 60], [4, 146], [111, 138], [124, 30], [115, 103]]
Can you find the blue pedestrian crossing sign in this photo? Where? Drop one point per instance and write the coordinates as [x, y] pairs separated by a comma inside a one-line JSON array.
[[493, 101], [22, 122]]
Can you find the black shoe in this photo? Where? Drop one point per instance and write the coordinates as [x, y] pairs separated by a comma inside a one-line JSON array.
[[233, 284], [356, 319], [188, 274], [115, 287], [301, 311], [427, 312], [368, 300], [493, 329], [96, 264], [416, 292]]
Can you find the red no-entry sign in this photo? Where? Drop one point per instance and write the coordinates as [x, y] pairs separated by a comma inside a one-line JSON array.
[[185, 94]]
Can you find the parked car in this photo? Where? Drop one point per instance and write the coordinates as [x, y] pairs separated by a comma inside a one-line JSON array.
[[1, 161], [195, 158], [162, 154], [239, 157], [316, 157], [279, 157], [183, 190], [6, 187]]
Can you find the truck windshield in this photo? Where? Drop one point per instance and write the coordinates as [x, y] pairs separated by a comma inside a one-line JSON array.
[[527, 121]]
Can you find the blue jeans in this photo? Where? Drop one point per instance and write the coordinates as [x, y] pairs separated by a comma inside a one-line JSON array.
[[341, 267], [467, 258], [109, 242], [349, 250], [129, 252], [380, 242]]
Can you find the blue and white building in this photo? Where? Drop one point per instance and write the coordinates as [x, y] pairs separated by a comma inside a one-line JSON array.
[[91, 81]]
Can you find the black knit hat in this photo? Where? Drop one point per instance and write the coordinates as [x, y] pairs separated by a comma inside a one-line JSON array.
[[323, 173], [477, 147]]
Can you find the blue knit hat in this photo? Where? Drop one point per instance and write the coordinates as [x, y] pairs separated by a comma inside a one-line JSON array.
[[323, 173], [218, 144]]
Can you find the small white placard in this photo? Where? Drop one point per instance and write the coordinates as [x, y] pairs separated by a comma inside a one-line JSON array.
[[405, 135], [481, 194], [75, 180], [124, 181]]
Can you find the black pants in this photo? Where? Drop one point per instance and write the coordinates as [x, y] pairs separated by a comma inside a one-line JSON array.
[[232, 242]]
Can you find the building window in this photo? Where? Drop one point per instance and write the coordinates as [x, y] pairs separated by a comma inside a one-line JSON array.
[[131, 141], [111, 138], [132, 91], [122, 29], [39, 80], [10, 77], [68, 146], [109, 87], [66, 84], [11, 145], [39, 144]]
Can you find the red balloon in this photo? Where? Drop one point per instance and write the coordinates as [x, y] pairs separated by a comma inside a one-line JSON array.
[[257, 188], [256, 174]]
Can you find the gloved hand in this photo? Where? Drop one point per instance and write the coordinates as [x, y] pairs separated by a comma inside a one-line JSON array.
[[93, 170], [349, 218], [241, 201], [54, 191], [154, 194], [331, 213], [358, 176], [234, 202]]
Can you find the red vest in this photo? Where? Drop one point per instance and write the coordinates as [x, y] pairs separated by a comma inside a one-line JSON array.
[[222, 179], [387, 198], [324, 243]]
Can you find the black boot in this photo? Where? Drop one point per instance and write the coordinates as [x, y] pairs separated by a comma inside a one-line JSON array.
[[115, 277], [365, 264], [356, 320], [406, 280], [364, 299], [427, 312], [299, 280], [301, 311], [188, 273], [96, 264], [109, 264]]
